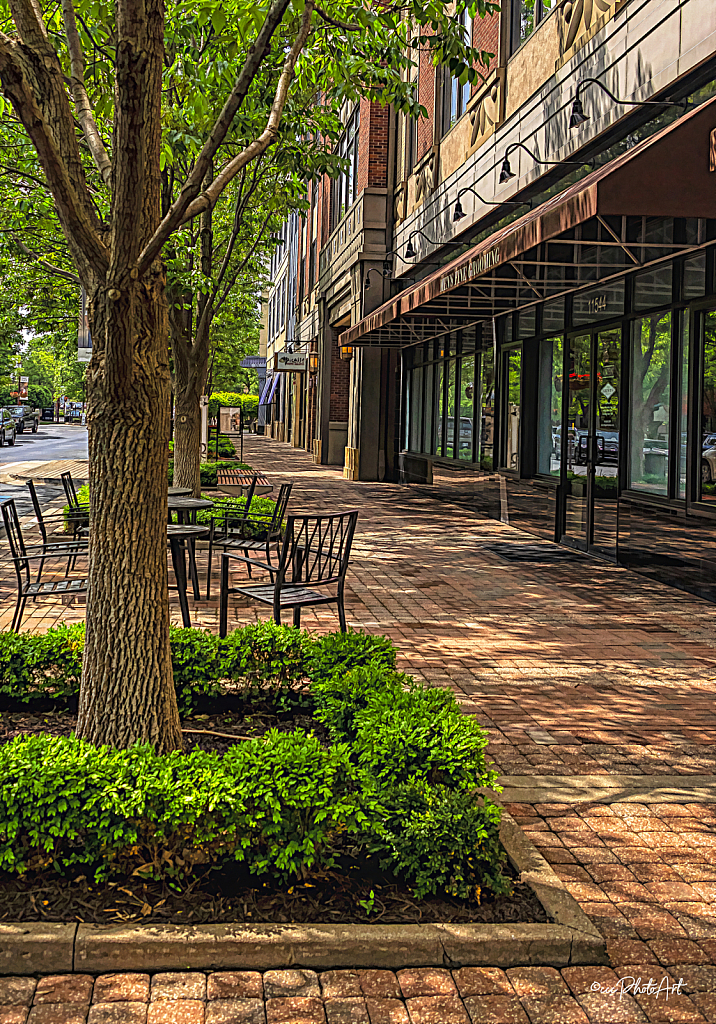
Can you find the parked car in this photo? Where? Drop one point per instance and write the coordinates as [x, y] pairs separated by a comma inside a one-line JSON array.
[[24, 417], [7, 427], [708, 466]]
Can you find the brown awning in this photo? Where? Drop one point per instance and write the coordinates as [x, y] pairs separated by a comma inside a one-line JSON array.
[[667, 175]]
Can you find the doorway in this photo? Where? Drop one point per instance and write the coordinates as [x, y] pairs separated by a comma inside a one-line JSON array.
[[592, 452]]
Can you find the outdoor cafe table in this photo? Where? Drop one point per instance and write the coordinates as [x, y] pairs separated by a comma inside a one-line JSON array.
[[186, 509], [178, 534], [180, 492]]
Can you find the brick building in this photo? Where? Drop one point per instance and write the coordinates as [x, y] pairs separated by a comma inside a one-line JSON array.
[[513, 301]]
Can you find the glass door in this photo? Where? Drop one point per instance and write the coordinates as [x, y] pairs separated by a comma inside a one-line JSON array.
[[592, 441]]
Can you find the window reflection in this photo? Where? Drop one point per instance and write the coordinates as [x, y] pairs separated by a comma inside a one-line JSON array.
[[649, 427], [549, 428], [512, 425], [487, 409], [708, 409], [467, 397]]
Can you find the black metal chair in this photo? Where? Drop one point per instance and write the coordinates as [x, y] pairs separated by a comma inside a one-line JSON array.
[[230, 517], [22, 555], [251, 531], [314, 554], [79, 511], [76, 546]]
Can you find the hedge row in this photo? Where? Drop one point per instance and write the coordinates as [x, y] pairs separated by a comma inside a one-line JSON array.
[[398, 781]]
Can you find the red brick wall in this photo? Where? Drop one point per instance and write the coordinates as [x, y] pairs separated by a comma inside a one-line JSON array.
[[373, 146], [426, 97], [340, 382], [486, 35]]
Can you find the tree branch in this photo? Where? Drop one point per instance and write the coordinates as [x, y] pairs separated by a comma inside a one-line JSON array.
[[33, 82], [79, 93], [336, 24], [270, 132], [177, 213], [58, 271]]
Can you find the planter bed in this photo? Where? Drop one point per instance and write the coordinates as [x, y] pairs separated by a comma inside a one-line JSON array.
[[318, 789]]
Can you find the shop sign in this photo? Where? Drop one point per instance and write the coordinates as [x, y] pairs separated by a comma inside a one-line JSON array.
[[608, 390], [290, 362], [472, 268]]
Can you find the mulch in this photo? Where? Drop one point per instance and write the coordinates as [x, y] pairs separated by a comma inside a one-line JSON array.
[[351, 895]]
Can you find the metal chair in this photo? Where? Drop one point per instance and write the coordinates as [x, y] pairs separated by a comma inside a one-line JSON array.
[[314, 554], [232, 517], [74, 546], [255, 531], [79, 511], [21, 556]]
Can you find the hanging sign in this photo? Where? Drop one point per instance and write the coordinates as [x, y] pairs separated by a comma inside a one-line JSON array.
[[608, 390], [290, 362], [84, 338]]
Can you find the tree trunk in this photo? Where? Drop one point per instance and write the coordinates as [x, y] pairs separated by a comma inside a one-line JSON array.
[[187, 438], [127, 689]]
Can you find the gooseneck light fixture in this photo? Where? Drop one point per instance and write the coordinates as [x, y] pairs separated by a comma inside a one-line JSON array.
[[578, 117], [410, 252], [458, 213], [506, 172]]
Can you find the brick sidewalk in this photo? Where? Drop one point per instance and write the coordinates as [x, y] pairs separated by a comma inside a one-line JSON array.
[[576, 668]]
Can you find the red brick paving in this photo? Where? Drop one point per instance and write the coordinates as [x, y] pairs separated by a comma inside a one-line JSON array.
[[578, 668]]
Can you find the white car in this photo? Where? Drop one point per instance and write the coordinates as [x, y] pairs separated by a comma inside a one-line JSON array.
[[708, 466]]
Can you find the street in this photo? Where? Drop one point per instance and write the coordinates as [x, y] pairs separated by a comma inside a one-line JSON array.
[[52, 441]]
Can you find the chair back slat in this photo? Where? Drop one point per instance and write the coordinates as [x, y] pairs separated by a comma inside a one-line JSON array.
[[38, 510], [235, 521], [280, 507], [70, 492], [316, 549]]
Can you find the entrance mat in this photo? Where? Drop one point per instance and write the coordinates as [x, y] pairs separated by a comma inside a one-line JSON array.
[[545, 553]]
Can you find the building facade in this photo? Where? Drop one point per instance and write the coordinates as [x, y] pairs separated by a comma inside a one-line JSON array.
[[526, 291]]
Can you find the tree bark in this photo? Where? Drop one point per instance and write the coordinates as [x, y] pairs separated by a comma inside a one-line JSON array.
[[127, 692]]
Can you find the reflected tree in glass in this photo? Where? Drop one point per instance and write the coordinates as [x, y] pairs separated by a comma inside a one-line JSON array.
[[467, 397], [650, 379]]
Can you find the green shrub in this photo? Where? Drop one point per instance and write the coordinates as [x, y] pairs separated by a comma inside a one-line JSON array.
[[37, 665], [195, 661], [279, 805], [263, 653], [260, 506], [440, 839], [401, 730], [232, 399], [337, 653]]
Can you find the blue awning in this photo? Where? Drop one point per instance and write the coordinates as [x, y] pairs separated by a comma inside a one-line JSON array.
[[269, 390]]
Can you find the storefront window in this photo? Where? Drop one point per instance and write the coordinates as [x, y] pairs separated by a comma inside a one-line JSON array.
[[450, 452], [553, 316], [512, 413], [695, 277], [487, 409], [415, 408], [549, 426], [708, 410], [649, 427], [439, 432], [653, 288], [684, 388], [428, 418], [604, 303], [467, 395]]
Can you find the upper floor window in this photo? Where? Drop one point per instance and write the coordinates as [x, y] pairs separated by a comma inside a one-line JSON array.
[[526, 16], [456, 96], [345, 185]]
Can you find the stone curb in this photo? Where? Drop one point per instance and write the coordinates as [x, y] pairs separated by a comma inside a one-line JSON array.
[[99, 949]]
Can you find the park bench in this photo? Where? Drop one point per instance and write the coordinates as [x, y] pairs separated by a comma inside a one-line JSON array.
[[236, 481]]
